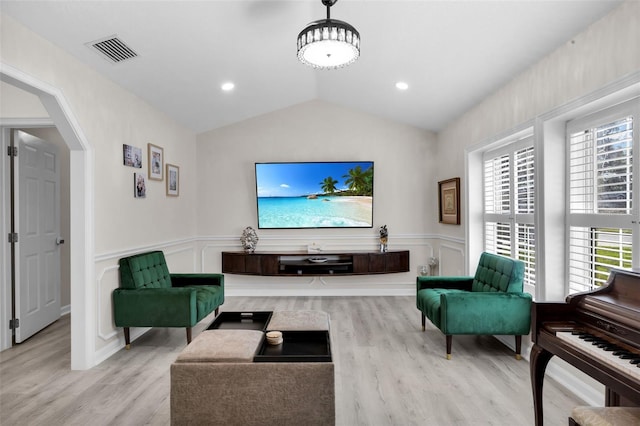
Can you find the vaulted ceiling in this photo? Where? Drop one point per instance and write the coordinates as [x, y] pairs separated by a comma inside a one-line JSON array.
[[451, 53]]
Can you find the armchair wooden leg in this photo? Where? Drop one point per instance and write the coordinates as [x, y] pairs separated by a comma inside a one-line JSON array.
[[423, 322], [188, 335], [217, 310], [449, 341], [127, 338], [518, 347]]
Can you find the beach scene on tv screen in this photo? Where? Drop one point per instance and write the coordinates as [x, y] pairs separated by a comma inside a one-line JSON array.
[[315, 195]]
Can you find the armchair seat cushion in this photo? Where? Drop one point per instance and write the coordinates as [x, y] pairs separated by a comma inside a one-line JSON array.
[[208, 298], [429, 302]]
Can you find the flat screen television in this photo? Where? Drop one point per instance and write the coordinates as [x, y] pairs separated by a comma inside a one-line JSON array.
[[335, 194]]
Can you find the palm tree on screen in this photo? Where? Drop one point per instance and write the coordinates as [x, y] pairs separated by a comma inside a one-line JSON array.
[[360, 181], [328, 185]]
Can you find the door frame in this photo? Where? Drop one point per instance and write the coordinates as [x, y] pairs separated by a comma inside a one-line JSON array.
[[82, 230]]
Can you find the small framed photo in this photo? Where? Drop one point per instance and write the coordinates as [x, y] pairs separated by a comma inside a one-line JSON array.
[[449, 201], [139, 185], [156, 162], [131, 156], [173, 180]]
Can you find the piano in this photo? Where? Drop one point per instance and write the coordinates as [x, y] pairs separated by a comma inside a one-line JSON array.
[[598, 332]]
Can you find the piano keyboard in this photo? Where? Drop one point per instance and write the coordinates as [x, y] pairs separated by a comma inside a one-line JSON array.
[[609, 353]]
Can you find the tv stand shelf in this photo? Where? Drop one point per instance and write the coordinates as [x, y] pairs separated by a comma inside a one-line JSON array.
[[325, 263]]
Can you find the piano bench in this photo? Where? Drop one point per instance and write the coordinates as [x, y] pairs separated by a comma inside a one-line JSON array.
[[605, 416]]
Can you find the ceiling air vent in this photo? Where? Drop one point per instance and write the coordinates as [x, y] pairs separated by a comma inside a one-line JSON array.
[[114, 49]]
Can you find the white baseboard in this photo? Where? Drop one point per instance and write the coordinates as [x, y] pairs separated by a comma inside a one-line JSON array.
[[293, 292], [65, 310], [116, 345]]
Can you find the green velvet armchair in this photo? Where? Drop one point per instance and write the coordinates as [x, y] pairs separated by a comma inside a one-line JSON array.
[[490, 303], [150, 296]]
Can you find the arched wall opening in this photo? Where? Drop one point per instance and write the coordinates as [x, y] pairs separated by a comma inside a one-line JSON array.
[[81, 238]]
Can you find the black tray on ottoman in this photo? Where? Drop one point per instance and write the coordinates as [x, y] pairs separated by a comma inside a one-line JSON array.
[[241, 321], [297, 346]]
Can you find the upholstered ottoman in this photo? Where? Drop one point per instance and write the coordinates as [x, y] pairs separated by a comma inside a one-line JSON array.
[[605, 416], [215, 381], [298, 320]]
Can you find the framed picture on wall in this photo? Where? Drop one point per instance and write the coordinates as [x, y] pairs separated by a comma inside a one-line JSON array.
[[156, 161], [131, 156], [139, 185], [173, 180], [449, 201]]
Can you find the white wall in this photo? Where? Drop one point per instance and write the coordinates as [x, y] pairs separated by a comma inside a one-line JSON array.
[[606, 51], [404, 191], [604, 54], [108, 116]]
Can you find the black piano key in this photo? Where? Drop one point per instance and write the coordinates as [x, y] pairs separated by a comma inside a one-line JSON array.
[[628, 355], [635, 361], [611, 348]]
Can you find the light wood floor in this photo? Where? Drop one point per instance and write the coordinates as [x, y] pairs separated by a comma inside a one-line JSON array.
[[388, 372]]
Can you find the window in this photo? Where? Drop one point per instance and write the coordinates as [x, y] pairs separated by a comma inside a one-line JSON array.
[[602, 218], [509, 204]]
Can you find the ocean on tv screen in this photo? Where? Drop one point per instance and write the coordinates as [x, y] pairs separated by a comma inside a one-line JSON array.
[[318, 212], [315, 194]]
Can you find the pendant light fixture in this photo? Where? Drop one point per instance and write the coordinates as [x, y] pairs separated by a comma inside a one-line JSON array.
[[328, 43]]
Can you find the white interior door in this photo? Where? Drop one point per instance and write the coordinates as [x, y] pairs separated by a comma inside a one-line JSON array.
[[38, 224]]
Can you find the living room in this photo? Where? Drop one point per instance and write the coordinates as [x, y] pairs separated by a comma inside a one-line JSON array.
[[217, 187]]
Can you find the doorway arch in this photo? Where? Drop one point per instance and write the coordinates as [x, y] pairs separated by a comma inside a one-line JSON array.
[[81, 237]]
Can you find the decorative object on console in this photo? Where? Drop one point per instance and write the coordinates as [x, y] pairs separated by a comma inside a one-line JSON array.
[[449, 201], [314, 248], [384, 238], [328, 43], [433, 262], [156, 161], [173, 180], [249, 239]]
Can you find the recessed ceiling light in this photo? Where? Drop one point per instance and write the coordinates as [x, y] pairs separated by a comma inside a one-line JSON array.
[[228, 86], [401, 85]]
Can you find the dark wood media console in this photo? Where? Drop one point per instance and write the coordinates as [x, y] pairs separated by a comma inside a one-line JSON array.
[[325, 263]]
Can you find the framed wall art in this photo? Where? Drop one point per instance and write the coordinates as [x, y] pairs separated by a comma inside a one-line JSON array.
[[131, 156], [139, 185], [156, 161], [449, 201], [173, 180]]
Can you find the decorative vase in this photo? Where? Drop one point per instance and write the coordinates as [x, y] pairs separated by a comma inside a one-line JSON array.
[[249, 239], [384, 237], [433, 263]]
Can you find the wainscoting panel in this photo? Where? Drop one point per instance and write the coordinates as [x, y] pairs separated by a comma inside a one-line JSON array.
[[452, 260]]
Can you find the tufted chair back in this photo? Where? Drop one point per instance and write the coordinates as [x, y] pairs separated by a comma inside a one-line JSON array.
[[146, 270], [498, 273]]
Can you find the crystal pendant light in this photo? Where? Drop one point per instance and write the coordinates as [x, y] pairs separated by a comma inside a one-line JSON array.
[[328, 43]]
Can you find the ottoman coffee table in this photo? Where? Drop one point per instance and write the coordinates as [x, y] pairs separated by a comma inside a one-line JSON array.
[[230, 375]]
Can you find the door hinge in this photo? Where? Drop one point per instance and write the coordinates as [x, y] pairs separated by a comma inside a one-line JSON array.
[[14, 323], [12, 151], [13, 237]]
